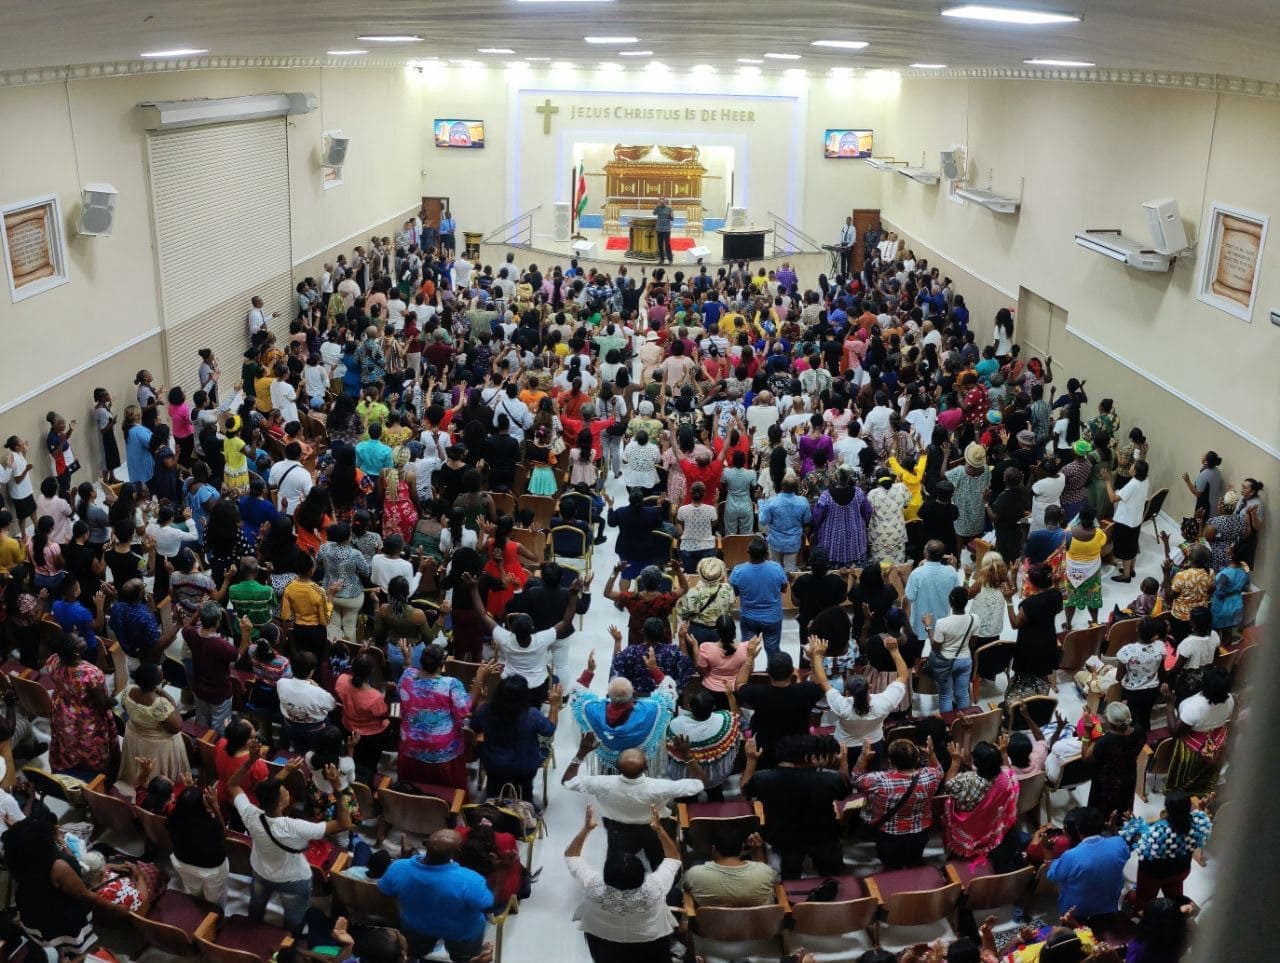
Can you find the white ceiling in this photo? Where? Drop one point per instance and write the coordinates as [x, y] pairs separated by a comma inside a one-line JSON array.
[[1233, 37]]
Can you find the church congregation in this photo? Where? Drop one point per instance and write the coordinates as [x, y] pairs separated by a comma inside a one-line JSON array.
[[482, 596]]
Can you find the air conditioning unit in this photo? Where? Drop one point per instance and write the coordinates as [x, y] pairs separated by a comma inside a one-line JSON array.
[[97, 210], [920, 174], [990, 199], [177, 114], [885, 163], [1168, 236], [335, 149], [1111, 243]]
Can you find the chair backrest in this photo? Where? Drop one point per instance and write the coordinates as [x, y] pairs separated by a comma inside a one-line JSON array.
[[734, 548], [534, 542], [411, 813], [1040, 708], [109, 812], [834, 919], [156, 829], [44, 782], [33, 698], [1154, 504], [570, 534], [1076, 771], [542, 506], [992, 659], [170, 922], [238, 848], [1119, 635], [696, 836], [362, 901], [1030, 791], [918, 907], [741, 924], [1163, 757], [504, 503], [1079, 645], [982, 727], [989, 892]]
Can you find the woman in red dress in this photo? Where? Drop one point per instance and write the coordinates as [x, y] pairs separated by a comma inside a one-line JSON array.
[[503, 562]]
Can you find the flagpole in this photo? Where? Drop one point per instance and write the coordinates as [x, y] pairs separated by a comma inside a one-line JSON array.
[[581, 179], [573, 207]]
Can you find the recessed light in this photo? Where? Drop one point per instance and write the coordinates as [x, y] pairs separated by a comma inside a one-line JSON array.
[[494, 50], [795, 72], [635, 53], [702, 69], [462, 62], [346, 53], [611, 40], [1046, 62], [978, 11], [782, 56], [749, 60], [178, 52], [840, 44], [563, 65], [656, 66], [841, 73], [390, 37], [538, 59], [929, 66], [610, 67], [748, 71]]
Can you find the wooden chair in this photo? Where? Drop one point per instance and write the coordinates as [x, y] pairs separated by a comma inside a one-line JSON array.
[[1154, 505], [991, 660], [734, 549], [361, 900], [236, 939], [826, 927], [984, 889], [1076, 771], [921, 896], [238, 847], [738, 932], [504, 503], [47, 784], [1039, 707], [33, 698], [699, 821], [465, 672], [156, 828], [111, 815], [1031, 794], [542, 506], [170, 923], [1119, 635], [665, 546], [420, 815], [119, 665], [207, 748], [1079, 645], [977, 727], [534, 542]]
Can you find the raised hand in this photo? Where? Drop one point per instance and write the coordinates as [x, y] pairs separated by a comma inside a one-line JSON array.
[[591, 661], [587, 743], [680, 745], [752, 749]]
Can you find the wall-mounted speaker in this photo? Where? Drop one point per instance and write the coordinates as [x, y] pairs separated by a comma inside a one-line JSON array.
[[951, 165], [1168, 236], [335, 150], [560, 221], [97, 210]]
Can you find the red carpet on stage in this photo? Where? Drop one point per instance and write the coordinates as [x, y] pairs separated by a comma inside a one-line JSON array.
[[620, 243]]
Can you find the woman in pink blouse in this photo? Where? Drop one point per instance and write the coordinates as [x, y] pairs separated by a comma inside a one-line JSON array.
[[721, 660], [180, 426]]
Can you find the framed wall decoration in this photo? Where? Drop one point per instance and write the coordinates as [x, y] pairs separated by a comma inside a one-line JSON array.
[[1229, 272], [31, 233]]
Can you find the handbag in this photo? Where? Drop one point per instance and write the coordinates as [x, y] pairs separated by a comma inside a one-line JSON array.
[[964, 644]]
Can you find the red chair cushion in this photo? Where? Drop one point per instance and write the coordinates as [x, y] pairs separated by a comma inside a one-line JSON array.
[[911, 880], [851, 888], [972, 869], [241, 933], [178, 909], [720, 810]]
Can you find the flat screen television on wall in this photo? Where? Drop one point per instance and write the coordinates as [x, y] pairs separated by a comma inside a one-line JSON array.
[[459, 133], [842, 143]]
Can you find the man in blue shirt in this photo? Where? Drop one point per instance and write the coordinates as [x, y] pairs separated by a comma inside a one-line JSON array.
[[439, 900], [784, 516], [759, 584], [448, 230], [1090, 875], [76, 618], [372, 455], [928, 588]]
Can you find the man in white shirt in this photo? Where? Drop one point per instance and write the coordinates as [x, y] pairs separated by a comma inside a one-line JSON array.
[[257, 317], [462, 270], [762, 414], [508, 403], [847, 237], [349, 289], [278, 854], [395, 310], [848, 448], [291, 479], [876, 424], [523, 651], [15, 474], [931, 336], [388, 564], [285, 400]]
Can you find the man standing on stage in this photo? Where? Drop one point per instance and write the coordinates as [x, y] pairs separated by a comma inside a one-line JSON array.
[[448, 229], [847, 236], [664, 215]]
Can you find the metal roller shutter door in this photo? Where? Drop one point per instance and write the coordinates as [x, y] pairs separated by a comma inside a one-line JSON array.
[[220, 204]]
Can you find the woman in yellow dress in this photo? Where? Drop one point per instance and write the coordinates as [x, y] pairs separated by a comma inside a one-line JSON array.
[[910, 471], [235, 476], [1083, 566]]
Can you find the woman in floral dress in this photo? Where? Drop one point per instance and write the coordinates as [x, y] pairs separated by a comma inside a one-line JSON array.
[[81, 728], [887, 530], [398, 514], [840, 519]]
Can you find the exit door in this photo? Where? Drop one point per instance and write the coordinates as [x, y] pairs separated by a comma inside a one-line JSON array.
[[864, 219], [432, 210]]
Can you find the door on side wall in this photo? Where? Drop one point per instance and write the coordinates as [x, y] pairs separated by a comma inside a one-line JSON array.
[[433, 209], [864, 219], [1037, 322]]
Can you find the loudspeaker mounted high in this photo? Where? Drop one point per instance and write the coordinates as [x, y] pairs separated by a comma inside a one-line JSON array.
[[335, 150], [950, 166], [1168, 236], [97, 210], [560, 220]]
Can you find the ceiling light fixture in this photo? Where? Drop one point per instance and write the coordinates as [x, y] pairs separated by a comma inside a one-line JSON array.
[[1014, 15], [840, 44], [782, 56], [346, 53], [563, 65], [564, 1], [611, 40], [747, 71], [1048, 62], [389, 38], [702, 69], [635, 53], [841, 73], [749, 60], [657, 67], [538, 59], [178, 52], [461, 62], [610, 67], [929, 66], [795, 72], [494, 50]]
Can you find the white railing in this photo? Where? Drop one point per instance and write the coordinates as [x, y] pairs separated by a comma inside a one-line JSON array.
[[789, 239], [517, 232]]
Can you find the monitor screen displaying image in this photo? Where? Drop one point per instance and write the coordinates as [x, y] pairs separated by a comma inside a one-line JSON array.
[[845, 143], [459, 133]]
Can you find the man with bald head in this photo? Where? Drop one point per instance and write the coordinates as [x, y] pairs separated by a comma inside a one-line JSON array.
[[136, 627], [439, 900]]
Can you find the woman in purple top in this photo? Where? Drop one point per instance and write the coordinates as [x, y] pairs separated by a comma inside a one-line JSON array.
[[815, 440], [840, 518]]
